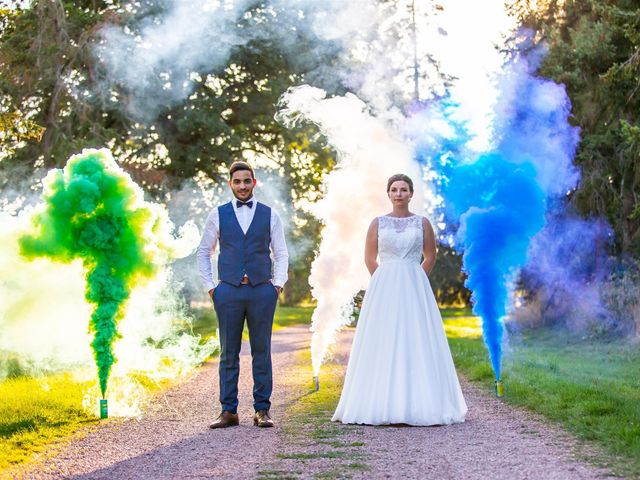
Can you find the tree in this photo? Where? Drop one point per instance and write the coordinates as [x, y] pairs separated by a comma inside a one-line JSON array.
[[594, 49], [44, 56], [52, 77], [15, 127], [448, 278], [52, 74]]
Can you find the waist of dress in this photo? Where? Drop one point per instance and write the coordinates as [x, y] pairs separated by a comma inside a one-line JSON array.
[[393, 261]]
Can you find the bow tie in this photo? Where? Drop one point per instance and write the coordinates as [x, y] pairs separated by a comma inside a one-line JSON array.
[[242, 204]]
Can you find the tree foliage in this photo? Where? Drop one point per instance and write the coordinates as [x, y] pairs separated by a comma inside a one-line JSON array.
[[53, 103], [594, 49], [447, 278], [56, 99], [50, 73]]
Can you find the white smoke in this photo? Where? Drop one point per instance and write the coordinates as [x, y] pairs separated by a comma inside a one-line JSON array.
[[159, 55], [43, 315], [157, 58], [368, 152], [369, 142]]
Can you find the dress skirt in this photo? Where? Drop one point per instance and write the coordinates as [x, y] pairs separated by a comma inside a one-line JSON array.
[[400, 369]]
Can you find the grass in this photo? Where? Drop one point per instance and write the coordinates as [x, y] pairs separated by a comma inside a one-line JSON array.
[[36, 412], [289, 316], [450, 312], [338, 444], [278, 475], [331, 475], [309, 456], [308, 421], [310, 412], [590, 387], [205, 321]]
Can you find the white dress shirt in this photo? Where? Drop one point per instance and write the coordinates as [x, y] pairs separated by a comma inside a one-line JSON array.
[[245, 216]]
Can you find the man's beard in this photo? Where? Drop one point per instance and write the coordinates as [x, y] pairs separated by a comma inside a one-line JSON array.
[[250, 194]]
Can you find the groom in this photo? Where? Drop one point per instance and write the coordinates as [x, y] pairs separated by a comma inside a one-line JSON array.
[[247, 231]]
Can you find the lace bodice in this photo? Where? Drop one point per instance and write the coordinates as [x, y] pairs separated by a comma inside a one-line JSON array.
[[400, 238]]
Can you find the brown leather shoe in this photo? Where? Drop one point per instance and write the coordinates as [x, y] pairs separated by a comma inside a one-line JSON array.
[[226, 419], [262, 419]]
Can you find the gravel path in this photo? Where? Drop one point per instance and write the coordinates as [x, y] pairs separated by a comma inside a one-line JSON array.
[[496, 441], [173, 440]]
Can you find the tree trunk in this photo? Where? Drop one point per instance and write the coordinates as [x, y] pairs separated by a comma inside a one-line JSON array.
[[51, 15]]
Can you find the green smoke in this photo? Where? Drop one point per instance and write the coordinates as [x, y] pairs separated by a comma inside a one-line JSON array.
[[95, 212]]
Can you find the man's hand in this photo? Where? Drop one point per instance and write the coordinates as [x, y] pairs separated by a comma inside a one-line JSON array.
[[211, 292], [277, 287]]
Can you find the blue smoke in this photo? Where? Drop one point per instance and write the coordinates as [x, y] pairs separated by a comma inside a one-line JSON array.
[[501, 207], [569, 271], [497, 200]]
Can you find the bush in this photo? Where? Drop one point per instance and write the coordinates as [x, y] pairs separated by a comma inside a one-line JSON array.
[[609, 307], [621, 297]]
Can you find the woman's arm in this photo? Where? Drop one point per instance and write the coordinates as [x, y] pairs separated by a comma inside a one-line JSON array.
[[429, 250], [371, 247]]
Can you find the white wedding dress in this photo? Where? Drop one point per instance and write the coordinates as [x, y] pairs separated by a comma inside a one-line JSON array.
[[400, 369]]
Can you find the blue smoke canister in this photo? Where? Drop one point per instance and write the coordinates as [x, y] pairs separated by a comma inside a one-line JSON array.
[[498, 387], [104, 409]]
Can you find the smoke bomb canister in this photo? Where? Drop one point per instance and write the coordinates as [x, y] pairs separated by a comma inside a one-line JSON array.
[[317, 380], [104, 409], [499, 389]]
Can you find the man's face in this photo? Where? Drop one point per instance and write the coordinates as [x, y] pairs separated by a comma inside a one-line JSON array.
[[242, 184]]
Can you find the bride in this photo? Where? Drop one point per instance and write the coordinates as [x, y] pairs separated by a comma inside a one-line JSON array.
[[400, 369]]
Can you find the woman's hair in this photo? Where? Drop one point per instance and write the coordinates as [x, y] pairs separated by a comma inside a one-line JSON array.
[[240, 165], [397, 178]]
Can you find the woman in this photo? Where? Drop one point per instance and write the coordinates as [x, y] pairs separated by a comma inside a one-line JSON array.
[[400, 369]]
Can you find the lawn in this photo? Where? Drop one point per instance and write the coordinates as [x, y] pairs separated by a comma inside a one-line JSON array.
[[590, 387], [36, 412], [205, 321]]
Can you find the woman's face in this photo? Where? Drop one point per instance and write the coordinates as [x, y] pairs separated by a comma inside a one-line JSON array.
[[400, 193]]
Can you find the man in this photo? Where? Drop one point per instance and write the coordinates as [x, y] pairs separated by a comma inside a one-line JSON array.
[[247, 231]]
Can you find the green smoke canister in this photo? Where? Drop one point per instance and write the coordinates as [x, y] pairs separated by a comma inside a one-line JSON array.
[[104, 408]]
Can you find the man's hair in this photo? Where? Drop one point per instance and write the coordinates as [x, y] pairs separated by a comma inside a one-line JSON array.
[[400, 177], [240, 165]]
